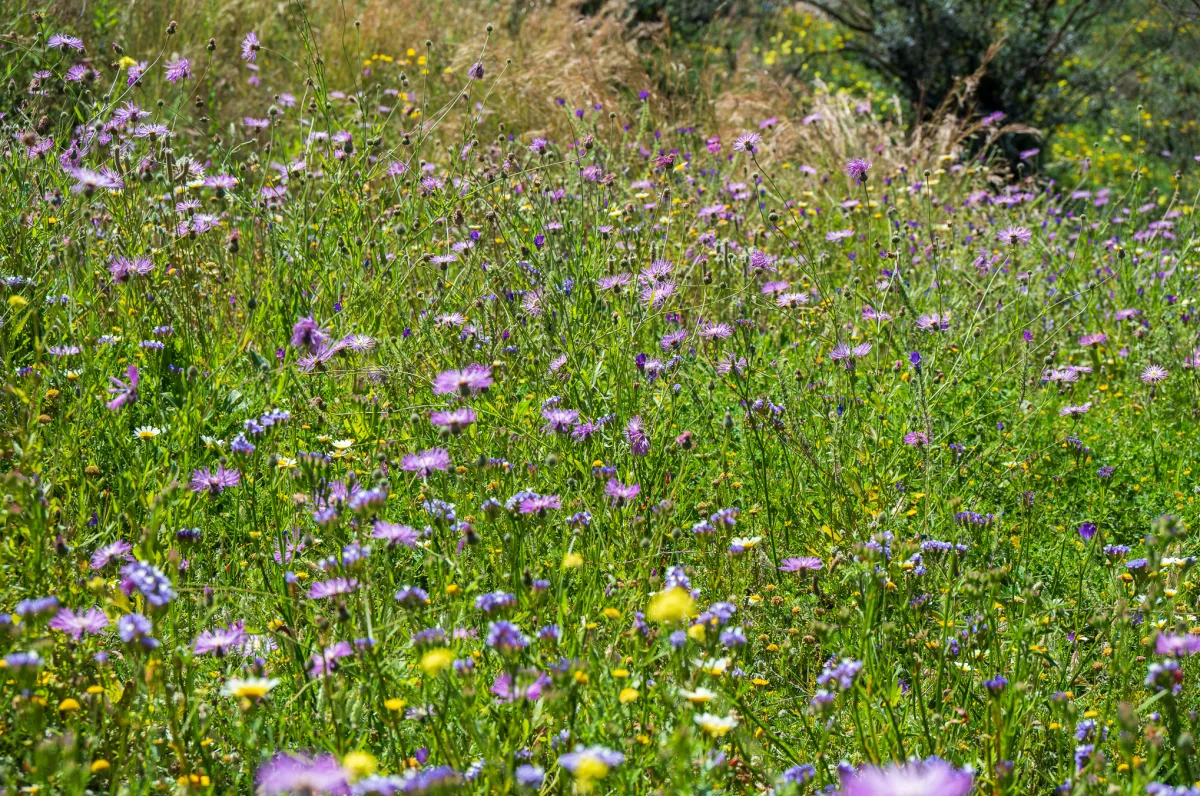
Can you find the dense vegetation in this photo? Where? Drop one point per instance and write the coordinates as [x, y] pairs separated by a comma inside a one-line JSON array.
[[425, 428]]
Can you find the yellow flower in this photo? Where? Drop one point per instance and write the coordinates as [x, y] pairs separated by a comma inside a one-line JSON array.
[[716, 726], [672, 605], [572, 560], [697, 633], [435, 661], [588, 771], [17, 302], [68, 704], [252, 688], [359, 765], [100, 765], [627, 695], [714, 666], [700, 696], [395, 705], [612, 613]]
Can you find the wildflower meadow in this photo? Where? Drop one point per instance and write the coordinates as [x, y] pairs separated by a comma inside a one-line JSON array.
[[399, 421]]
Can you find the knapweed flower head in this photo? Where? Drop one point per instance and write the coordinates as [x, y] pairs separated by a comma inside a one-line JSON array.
[[124, 392], [800, 564], [915, 778], [468, 382], [427, 462], [1176, 646], [334, 587], [747, 142], [857, 170], [1153, 374], [75, 625], [221, 640], [1014, 236], [214, 482], [297, 773]]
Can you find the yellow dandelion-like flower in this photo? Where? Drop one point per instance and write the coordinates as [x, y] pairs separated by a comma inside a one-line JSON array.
[[359, 765], [627, 695], [672, 605], [435, 661]]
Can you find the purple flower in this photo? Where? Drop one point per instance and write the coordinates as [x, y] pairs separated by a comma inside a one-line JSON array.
[[1154, 374], [469, 381], [847, 355], [798, 775], [1087, 530], [325, 661], [922, 776], [747, 142], [1165, 644], [1013, 236], [334, 587], [114, 551], [221, 639], [426, 462], [508, 691], [75, 625], [250, 47], [123, 392], [179, 70], [1164, 675], [147, 580], [530, 776], [135, 627], [308, 334], [539, 504], [620, 493], [857, 168], [505, 637], [456, 420], [559, 421], [839, 674], [65, 42], [800, 564], [216, 481], [412, 596], [495, 601], [395, 534], [287, 774], [635, 434]]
